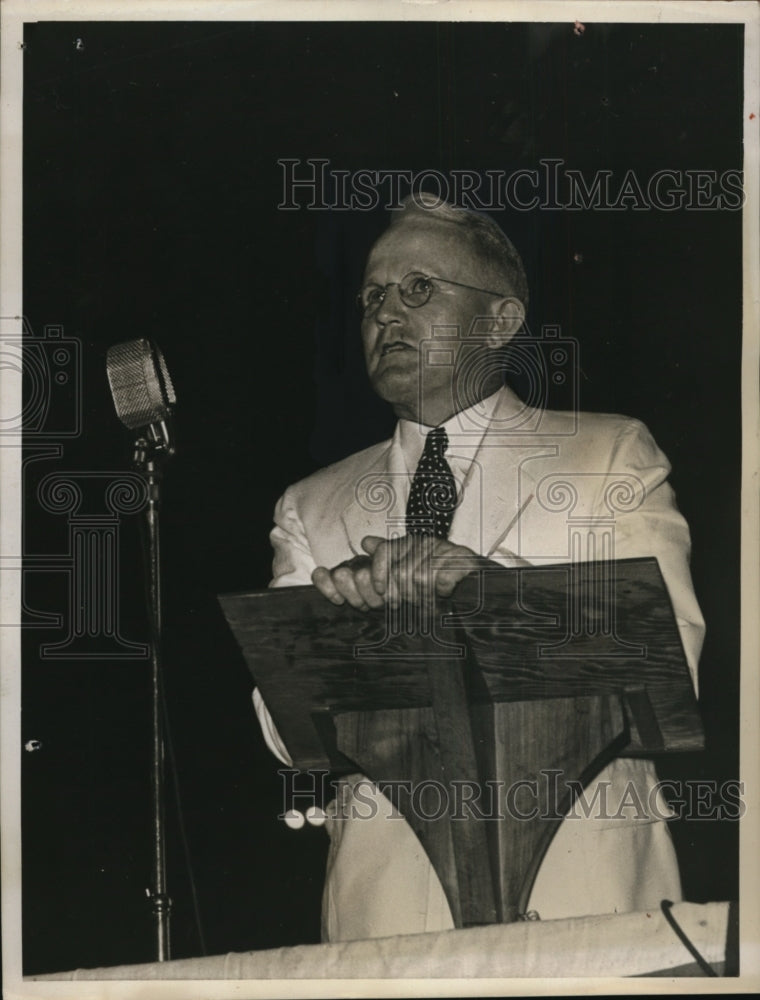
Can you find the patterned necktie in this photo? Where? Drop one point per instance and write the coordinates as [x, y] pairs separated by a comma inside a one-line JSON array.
[[433, 495]]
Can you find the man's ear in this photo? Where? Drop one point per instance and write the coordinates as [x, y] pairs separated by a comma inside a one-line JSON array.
[[508, 317]]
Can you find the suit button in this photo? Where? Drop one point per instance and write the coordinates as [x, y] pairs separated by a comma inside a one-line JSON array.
[[294, 819], [316, 816]]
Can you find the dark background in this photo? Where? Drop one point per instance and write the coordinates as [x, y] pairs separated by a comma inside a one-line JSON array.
[[151, 188]]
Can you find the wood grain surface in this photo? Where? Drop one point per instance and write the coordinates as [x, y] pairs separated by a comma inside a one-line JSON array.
[[523, 686], [572, 630]]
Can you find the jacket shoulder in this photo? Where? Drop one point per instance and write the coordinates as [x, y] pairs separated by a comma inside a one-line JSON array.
[[595, 440], [585, 424], [334, 478]]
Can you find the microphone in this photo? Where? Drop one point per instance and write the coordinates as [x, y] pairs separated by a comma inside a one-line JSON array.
[[141, 387], [143, 396]]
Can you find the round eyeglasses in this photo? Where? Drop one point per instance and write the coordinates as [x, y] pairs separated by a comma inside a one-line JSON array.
[[415, 290]]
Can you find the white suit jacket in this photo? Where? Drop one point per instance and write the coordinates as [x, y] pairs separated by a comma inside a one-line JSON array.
[[548, 487]]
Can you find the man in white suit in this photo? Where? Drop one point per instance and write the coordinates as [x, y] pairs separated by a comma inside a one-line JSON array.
[[444, 292]]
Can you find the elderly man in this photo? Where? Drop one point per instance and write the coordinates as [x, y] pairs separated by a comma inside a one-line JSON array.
[[442, 277]]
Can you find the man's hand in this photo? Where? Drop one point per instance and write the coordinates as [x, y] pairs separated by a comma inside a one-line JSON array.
[[412, 568]]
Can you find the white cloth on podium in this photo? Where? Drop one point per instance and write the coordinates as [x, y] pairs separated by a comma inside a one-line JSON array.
[[631, 944]]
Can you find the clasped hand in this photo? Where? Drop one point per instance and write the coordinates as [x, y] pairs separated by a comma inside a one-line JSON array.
[[411, 568]]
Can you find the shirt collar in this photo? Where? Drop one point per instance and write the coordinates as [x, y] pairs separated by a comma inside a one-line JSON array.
[[465, 431]]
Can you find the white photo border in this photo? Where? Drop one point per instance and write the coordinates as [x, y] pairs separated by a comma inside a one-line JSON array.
[[14, 14]]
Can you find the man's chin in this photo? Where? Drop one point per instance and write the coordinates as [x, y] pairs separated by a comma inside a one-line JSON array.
[[400, 389]]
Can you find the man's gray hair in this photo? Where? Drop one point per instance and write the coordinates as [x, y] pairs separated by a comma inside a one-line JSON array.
[[489, 240]]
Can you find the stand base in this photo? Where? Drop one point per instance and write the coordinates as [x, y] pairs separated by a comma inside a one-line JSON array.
[[505, 792]]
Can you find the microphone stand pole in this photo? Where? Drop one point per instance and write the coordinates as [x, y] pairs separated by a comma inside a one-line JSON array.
[[152, 448]]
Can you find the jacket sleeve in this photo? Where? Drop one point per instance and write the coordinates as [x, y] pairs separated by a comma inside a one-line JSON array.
[[293, 565], [648, 523], [293, 560]]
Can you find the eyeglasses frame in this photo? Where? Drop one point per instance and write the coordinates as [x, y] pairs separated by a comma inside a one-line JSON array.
[[410, 305]]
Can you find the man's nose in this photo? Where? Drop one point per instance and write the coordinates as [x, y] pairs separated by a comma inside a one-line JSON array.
[[391, 308]]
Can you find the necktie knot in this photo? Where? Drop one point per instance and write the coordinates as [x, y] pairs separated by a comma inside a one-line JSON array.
[[436, 443]]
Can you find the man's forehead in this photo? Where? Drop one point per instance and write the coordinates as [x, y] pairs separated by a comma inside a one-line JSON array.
[[420, 242]]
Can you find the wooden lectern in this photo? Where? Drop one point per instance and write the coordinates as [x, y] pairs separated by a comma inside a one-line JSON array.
[[482, 718]]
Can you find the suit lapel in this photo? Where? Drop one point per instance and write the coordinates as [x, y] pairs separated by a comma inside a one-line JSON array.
[[498, 489], [377, 505], [500, 484]]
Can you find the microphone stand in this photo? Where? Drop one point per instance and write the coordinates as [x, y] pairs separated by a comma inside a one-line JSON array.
[[152, 448]]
